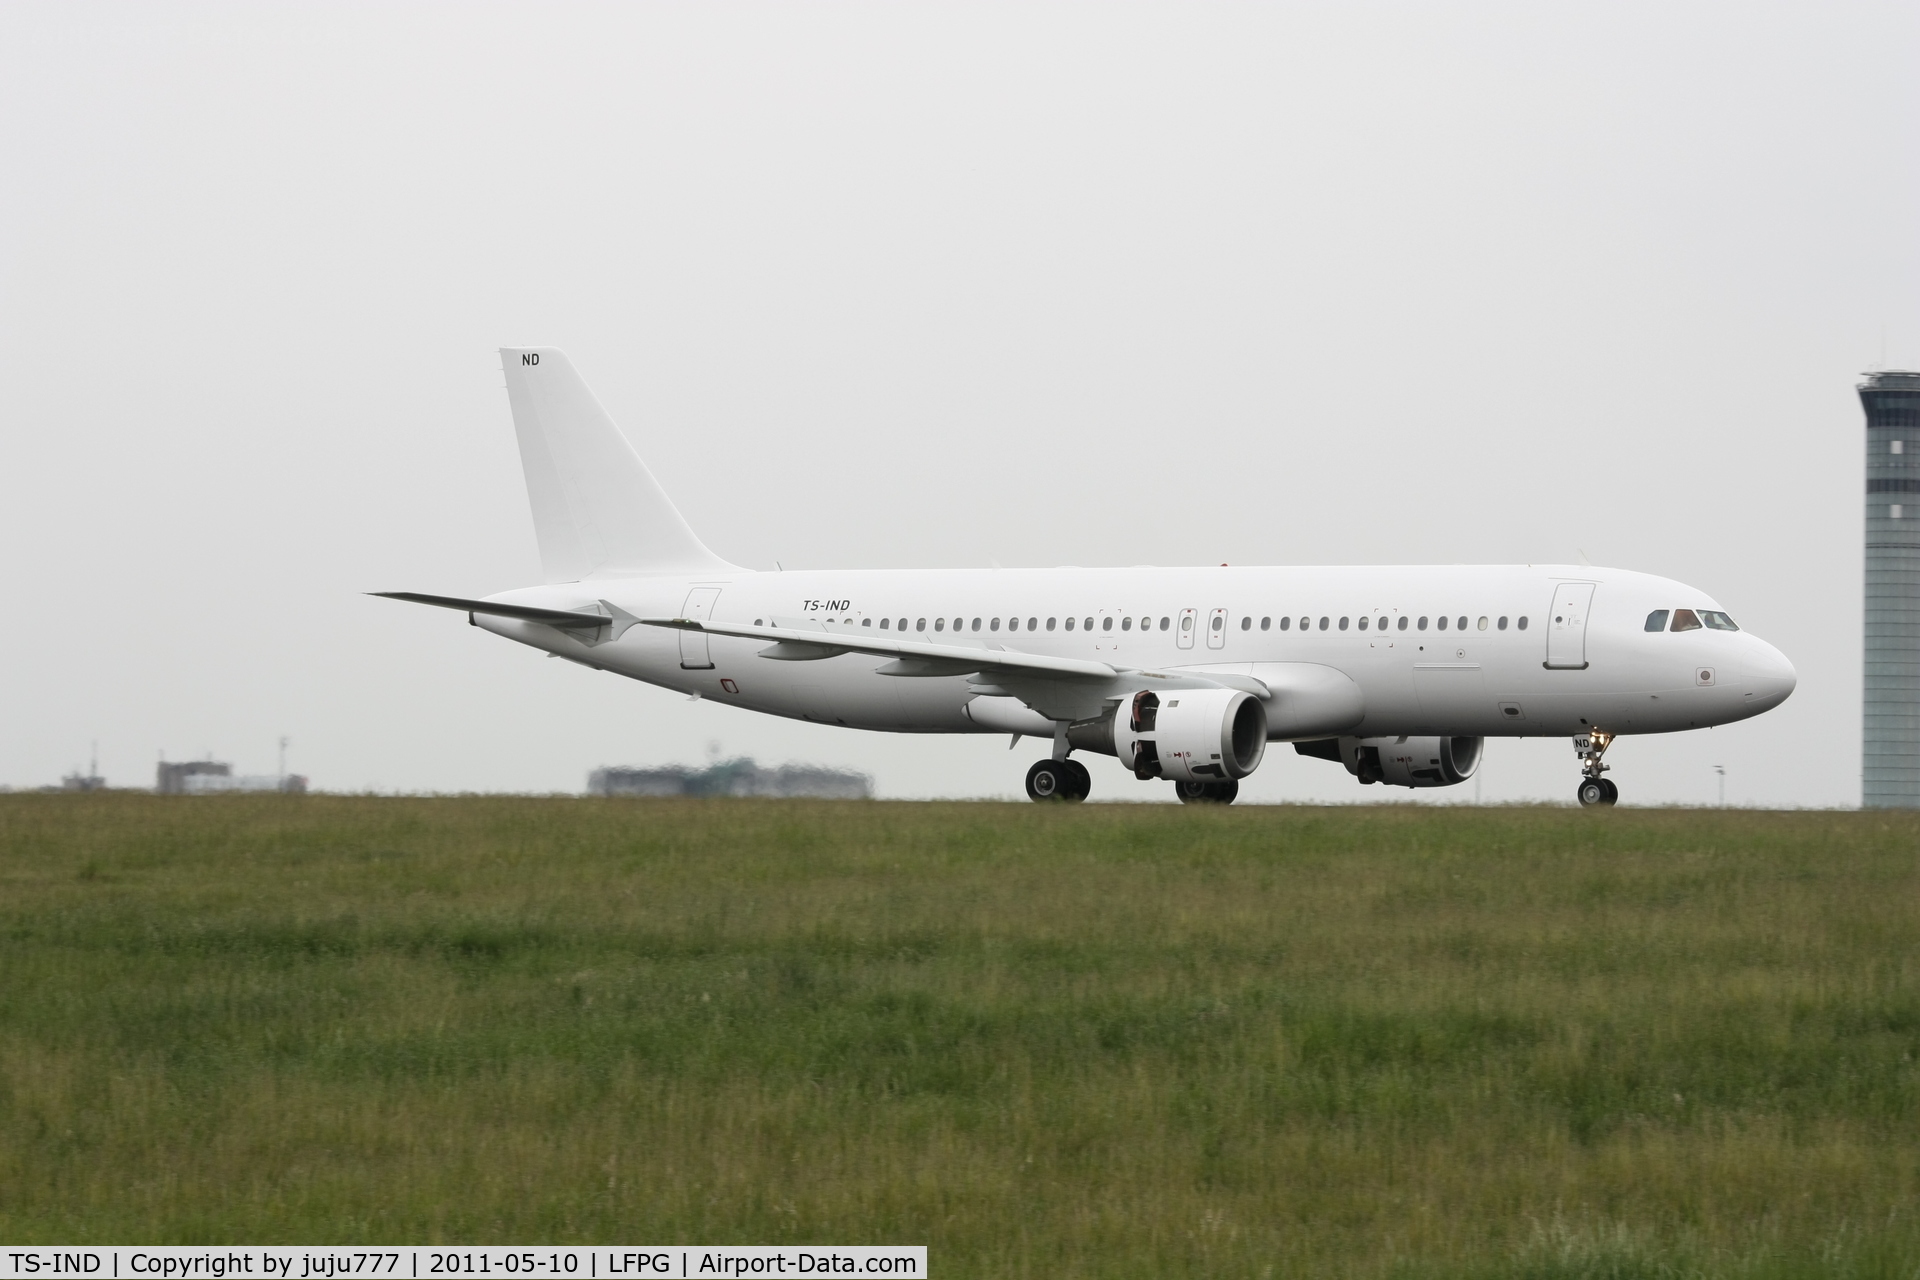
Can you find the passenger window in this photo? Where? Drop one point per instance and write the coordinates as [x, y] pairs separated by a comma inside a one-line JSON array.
[[976, 624], [1266, 624], [1069, 624], [1186, 624], [1441, 622], [1523, 622], [939, 624], [1286, 624], [1087, 625], [1363, 624], [1126, 624], [1657, 620], [884, 622], [1246, 623], [1380, 625], [1323, 622], [1717, 621], [1218, 623], [993, 626], [1343, 624], [1483, 622], [867, 622], [1403, 622], [1106, 624], [920, 625], [1165, 623], [1463, 623], [1049, 624], [1502, 624], [1423, 622], [1685, 620]]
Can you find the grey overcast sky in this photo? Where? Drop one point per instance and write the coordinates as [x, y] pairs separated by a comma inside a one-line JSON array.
[[902, 285]]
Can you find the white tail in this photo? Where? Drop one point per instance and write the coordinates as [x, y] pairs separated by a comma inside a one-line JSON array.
[[597, 510]]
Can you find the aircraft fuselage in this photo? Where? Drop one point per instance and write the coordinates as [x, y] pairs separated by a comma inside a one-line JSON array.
[[1459, 650]]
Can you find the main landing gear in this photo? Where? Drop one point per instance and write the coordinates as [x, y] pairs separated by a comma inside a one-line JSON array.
[[1068, 780], [1059, 780], [1191, 792], [1594, 788]]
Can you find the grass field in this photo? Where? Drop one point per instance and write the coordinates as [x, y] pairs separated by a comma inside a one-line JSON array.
[[1103, 1040]]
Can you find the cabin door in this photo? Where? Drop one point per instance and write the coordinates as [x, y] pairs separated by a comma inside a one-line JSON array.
[[694, 655], [1567, 626]]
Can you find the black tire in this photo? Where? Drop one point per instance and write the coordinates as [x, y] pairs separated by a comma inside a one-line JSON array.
[[1592, 791], [1082, 780], [1206, 792], [1613, 792], [1049, 780]]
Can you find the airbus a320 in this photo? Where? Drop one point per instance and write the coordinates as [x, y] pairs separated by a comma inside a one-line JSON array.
[[1185, 675]]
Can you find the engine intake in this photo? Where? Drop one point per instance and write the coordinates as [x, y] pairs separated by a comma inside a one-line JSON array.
[[1401, 762], [1190, 735]]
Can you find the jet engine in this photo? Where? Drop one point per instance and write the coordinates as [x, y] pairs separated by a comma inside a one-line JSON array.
[[1190, 735], [1401, 762]]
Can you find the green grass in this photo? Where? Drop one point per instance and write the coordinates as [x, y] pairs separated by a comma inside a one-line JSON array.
[[1108, 1040]]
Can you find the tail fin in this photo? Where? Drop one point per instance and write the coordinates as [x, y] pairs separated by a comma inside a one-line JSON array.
[[596, 508]]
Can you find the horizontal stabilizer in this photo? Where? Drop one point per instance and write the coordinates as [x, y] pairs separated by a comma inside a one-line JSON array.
[[549, 617]]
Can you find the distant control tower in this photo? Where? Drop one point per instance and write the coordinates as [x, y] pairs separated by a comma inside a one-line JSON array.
[[1890, 763]]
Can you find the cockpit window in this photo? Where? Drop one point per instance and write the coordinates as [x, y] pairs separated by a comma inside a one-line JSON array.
[[1685, 620], [1717, 621], [1657, 620]]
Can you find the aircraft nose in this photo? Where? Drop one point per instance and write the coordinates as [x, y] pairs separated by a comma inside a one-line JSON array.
[[1770, 677]]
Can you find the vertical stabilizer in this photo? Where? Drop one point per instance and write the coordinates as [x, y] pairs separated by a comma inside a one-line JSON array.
[[597, 510]]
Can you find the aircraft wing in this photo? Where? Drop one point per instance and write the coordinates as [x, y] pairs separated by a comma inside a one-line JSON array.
[[911, 657], [1058, 688]]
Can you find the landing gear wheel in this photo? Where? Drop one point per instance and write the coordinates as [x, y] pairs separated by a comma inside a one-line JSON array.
[[1082, 780], [1191, 792], [1050, 780], [1594, 788]]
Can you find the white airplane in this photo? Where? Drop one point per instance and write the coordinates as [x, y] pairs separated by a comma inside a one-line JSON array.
[[1398, 673]]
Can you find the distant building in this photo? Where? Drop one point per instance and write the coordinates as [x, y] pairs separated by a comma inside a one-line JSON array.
[[740, 777], [77, 781], [211, 777], [1890, 774], [172, 777]]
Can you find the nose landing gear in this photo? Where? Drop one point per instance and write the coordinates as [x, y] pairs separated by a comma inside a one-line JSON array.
[[1064, 780], [1594, 788]]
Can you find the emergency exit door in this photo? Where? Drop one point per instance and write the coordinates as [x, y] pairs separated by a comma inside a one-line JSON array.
[[693, 644], [1567, 626], [1217, 629]]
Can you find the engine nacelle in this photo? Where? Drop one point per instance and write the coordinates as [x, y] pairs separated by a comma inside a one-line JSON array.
[[1411, 762], [1190, 735]]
